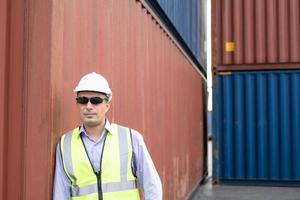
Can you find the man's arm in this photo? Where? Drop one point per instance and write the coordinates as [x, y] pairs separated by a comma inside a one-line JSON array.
[[61, 185], [146, 172]]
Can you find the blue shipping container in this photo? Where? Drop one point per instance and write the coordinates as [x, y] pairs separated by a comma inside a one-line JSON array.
[[189, 18], [256, 135]]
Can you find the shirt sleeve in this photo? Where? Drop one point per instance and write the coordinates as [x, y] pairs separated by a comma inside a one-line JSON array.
[[61, 184], [147, 176]]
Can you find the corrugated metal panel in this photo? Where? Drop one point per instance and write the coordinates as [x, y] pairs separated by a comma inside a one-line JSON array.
[[189, 19], [256, 31], [13, 128], [3, 94], [51, 46], [39, 133], [256, 137]]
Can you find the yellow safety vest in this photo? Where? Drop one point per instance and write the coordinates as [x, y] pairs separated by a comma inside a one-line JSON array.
[[115, 181]]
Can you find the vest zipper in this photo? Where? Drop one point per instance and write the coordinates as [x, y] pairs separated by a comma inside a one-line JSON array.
[[100, 194]]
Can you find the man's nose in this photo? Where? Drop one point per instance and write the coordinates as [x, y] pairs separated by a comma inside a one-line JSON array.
[[89, 105]]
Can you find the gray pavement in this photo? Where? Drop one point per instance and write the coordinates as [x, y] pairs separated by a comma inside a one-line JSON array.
[[220, 192], [209, 192]]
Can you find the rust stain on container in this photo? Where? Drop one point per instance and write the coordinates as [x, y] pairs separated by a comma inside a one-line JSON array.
[[264, 31], [218, 70], [156, 89]]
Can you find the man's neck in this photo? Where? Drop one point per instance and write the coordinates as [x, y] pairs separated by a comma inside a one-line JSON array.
[[95, 132]]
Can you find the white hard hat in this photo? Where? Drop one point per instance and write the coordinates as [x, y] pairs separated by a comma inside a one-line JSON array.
[[94, 82]]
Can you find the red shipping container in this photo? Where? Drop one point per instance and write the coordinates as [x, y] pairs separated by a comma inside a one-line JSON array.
[[249, 33], [47, 46]]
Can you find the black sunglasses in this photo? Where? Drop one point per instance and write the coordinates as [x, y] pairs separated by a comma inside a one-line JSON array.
[[93, 100]]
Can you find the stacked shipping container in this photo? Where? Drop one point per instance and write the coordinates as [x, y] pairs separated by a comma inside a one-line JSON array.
[[251, 32], [45, 50], [257, 127], [256, 136], [189, 18]]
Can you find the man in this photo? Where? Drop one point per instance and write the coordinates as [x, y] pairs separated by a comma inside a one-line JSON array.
[[99, 160]]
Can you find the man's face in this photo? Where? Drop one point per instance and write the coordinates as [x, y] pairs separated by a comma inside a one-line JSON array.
[[92, 115]]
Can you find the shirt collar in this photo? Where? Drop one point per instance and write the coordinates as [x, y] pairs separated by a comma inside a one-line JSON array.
[[107, 128]]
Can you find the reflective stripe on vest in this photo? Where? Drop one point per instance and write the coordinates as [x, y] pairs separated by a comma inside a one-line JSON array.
[[117, 179]]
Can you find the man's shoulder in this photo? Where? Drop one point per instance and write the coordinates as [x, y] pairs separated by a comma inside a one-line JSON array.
[[71, 131], [119, 125], [133, 131]]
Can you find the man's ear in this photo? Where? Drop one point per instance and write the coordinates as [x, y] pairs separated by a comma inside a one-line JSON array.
[[107, 107]]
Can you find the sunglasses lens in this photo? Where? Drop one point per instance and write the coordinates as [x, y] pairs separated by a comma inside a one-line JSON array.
[[96, 100], [82, 100]]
